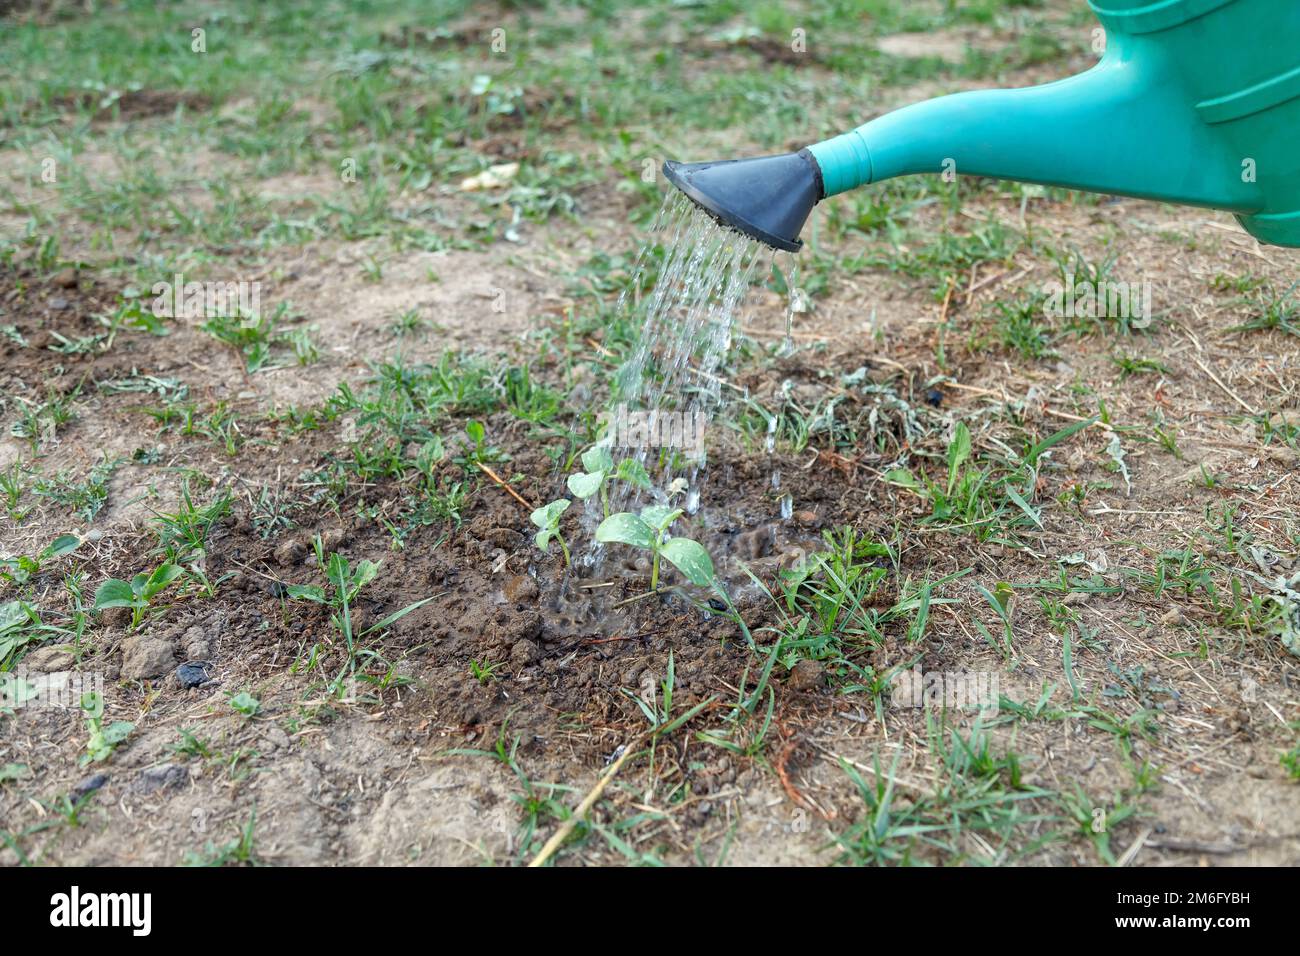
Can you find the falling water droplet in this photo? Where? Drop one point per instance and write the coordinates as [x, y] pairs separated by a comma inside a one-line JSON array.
[[686, 319], [776, 479], [787, 507], [793, 304]]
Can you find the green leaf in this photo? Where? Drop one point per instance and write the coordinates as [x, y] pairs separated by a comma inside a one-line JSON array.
[[903, 478], [13, 771], [13, 614], [690, 558], [114, 593], [338, 571], [306, 592], [633, 472], [1003, 593], [366, 572], [1024, 506], [958, 453], [432, 451], [683, 718], [163, 575], [246, 703], [598, 458], [659, 517], [477, 432], [117, 731], [625, 528], [543, 538], [1036, 451], [102, 740], [395, 616], [63, 544], [19, 569], [547, 517], [585, 485]]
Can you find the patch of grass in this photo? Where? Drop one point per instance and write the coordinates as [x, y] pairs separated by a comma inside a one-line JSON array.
[[993, 499], [539, 803], [1274, 311], [40, 422], [344, 582], [1021, 327], [238, 851], [84, 497], [980, 801], [255, 337]]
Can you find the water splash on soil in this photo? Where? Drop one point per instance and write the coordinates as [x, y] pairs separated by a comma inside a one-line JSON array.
[[670, 380], [673, 385]]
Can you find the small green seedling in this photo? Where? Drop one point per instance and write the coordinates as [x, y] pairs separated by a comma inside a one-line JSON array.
[[20, 624], [236, 852], [649, 530], [547, 518], [480, 452], [183, 536], [601, 471], [346, 581], [191, 745], [595, 480], [138, 592], [484, 673], [20, 569], [246, 704], [103, 740]]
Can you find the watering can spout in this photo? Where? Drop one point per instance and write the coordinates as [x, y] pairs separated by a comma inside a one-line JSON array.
[[1195, 102], [767, 198], [1114, 129]]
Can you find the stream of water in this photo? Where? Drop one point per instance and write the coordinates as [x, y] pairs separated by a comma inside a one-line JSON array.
[[671, 379]]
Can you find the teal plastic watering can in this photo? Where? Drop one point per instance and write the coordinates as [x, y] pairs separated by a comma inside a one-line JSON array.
[[1194, 102]]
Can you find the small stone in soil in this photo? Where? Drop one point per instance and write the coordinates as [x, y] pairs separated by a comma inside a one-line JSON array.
[[289, 552], [523, 653], [196, 645], [194, 673], [145, 657], [49, 660], [165, 776], [807, 675], [521, 589]]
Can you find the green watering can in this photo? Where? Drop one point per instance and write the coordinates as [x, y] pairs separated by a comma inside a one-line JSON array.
[[1194, 102]]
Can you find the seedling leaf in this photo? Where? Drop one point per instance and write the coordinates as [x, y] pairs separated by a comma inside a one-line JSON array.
[[585, 485], [114, 593], [690, 558], [625, 528], [659, 517], [597, 458]]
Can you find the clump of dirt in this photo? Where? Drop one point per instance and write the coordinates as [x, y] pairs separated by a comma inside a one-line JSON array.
[[772, 50], [132, 104], [44, 318]]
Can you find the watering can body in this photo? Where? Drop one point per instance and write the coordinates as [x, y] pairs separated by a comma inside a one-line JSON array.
[[1194, 102]]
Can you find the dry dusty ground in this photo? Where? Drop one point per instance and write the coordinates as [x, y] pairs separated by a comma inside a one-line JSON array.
[[1149, 706]]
